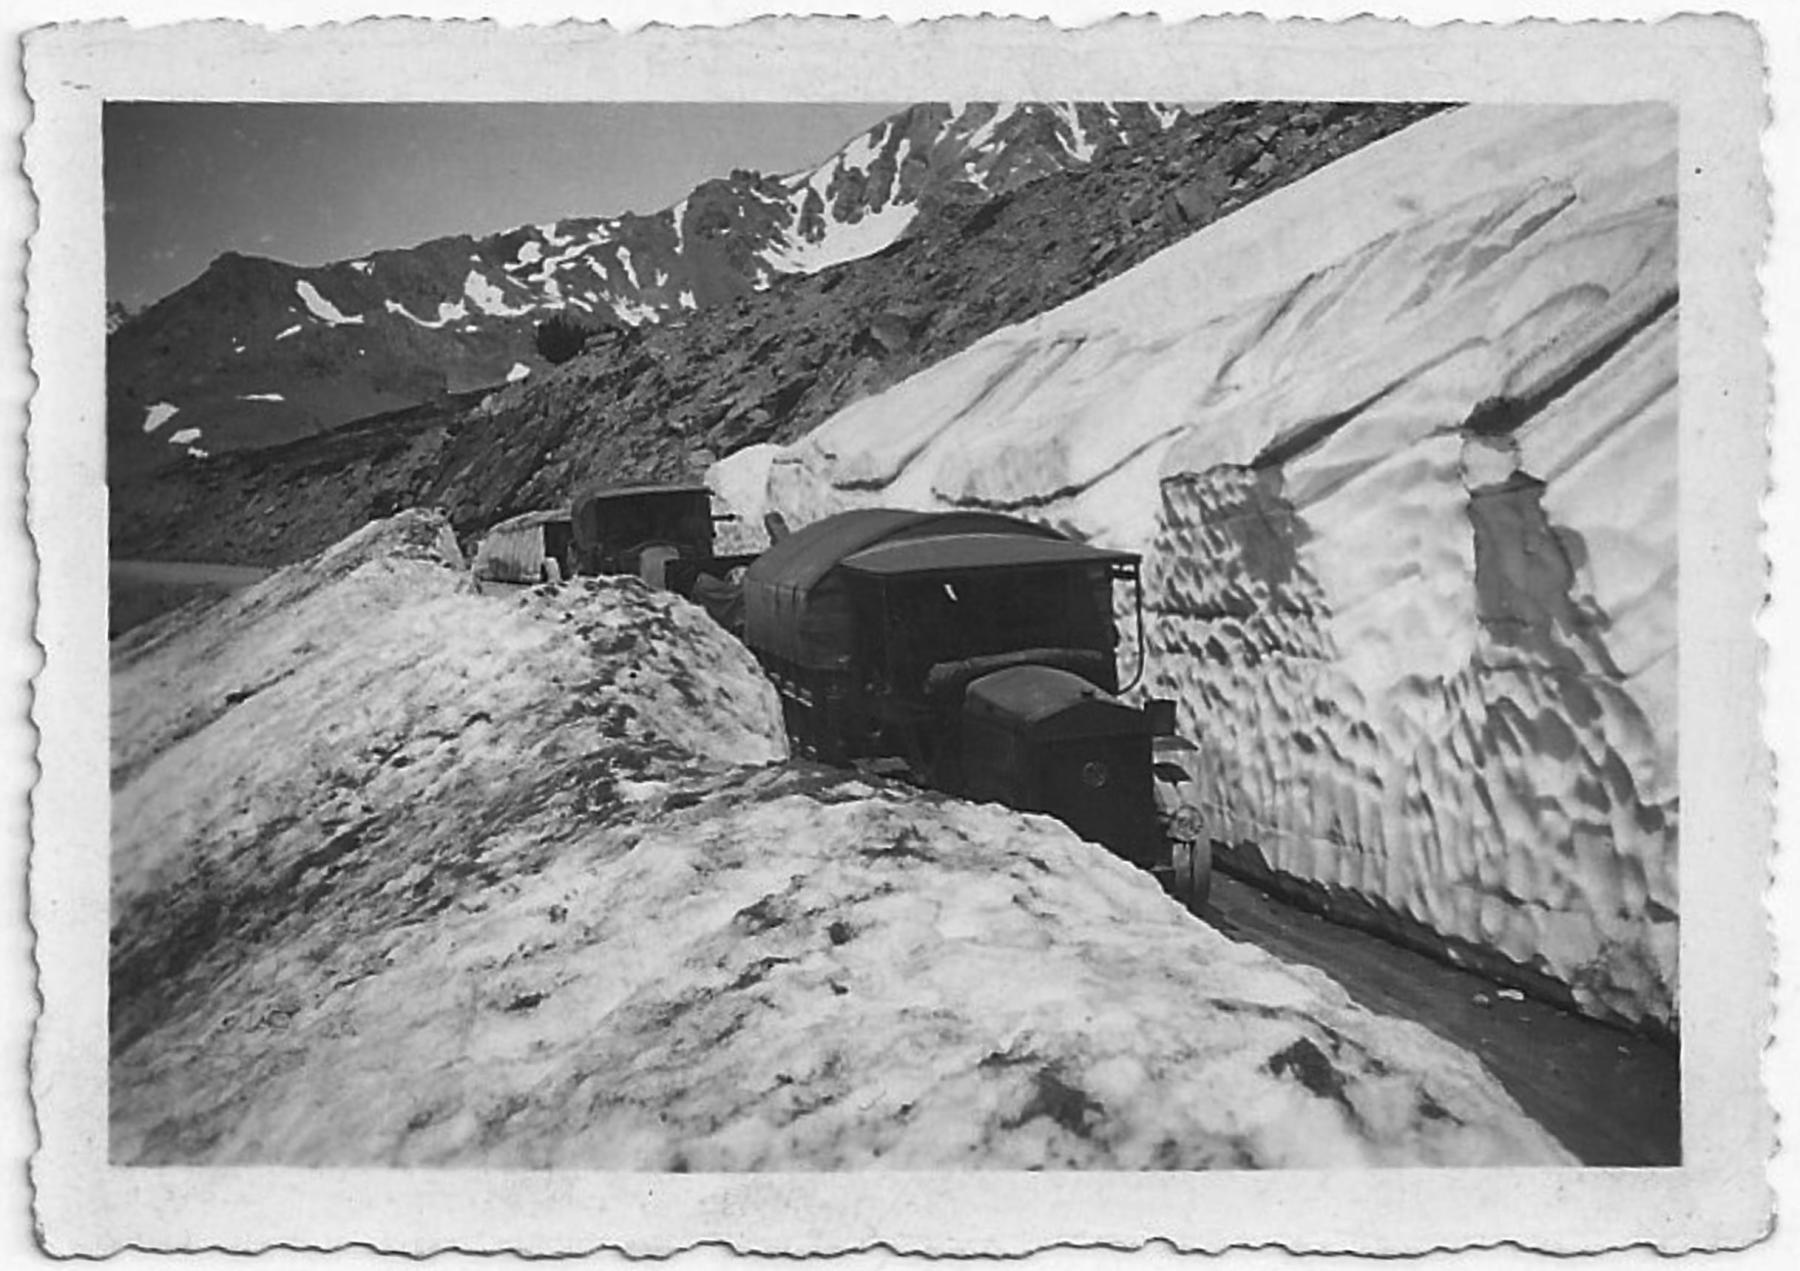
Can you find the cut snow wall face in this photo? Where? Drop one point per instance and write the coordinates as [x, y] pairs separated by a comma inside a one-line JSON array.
[[1412, 571], [1507, 798]]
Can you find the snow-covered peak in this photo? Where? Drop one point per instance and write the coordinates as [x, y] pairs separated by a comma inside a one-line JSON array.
[[864, 197]]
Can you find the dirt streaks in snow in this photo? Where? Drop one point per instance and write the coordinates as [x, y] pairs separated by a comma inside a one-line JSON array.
[[408, 874]]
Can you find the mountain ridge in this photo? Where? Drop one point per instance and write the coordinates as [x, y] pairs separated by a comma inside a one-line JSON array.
[[257, 351], [655, 402]]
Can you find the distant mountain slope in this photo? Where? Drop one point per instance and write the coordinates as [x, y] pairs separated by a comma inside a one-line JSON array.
[[256, 352], [666, 400]]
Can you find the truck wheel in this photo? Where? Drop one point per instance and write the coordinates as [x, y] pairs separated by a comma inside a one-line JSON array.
[[793, 721], [1193, 872]]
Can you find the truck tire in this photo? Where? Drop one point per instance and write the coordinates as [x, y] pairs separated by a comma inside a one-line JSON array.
[[1193, 872]]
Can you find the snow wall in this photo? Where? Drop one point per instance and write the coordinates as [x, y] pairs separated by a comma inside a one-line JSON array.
[[1399, 443]]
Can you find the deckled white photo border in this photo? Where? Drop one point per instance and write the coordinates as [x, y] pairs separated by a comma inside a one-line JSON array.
[[1718, 1197]]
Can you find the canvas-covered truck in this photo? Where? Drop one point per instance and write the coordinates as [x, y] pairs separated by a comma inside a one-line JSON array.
[[981, 651], [662, 534], [532, 547]]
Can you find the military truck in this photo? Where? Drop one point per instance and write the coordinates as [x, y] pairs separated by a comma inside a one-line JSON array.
[[980, 651]]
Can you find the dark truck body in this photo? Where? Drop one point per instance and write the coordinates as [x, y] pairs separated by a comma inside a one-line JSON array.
[[979, 648], [662, 534]]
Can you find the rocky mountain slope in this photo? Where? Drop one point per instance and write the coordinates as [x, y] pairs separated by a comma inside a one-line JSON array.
[[257, 352], [404, 874], [1399, 443], [658, 401]]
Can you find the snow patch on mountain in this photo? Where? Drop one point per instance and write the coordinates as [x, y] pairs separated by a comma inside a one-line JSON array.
[[848, 241], [518, 372], [1412, 569], [321, 308], [633, 314], [984, 131], [405, 874], [261, 397], [158, 415], [184, 436], [447, 313], [488, 297]]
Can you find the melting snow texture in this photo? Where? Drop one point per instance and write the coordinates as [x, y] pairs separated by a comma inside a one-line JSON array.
[[1412, 570], [407, 874]]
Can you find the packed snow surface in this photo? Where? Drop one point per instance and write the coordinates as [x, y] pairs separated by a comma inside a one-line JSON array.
[[408, 874], [1399, 443]]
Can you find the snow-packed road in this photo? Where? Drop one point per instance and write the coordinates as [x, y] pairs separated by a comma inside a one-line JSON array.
[[1610, 1096], [408, 874]]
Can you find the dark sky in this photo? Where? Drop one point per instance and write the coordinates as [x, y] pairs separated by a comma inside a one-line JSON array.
[[308, 183]]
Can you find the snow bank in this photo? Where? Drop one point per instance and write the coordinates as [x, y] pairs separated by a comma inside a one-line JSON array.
[[737, 489], [408, 874], [1412, 568]]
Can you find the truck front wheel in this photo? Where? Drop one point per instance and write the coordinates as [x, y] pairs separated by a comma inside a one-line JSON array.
[[1193, 871]]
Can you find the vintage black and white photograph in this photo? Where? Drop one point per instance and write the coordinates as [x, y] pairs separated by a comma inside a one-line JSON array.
[[1099, 634]]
